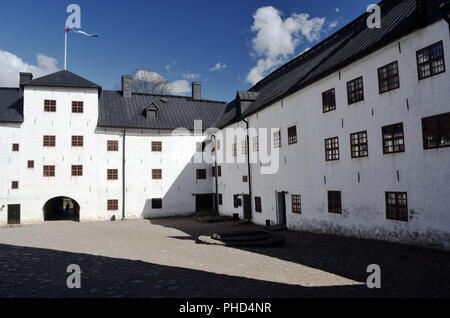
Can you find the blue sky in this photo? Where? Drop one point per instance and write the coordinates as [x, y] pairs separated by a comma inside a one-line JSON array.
[[181, 40]]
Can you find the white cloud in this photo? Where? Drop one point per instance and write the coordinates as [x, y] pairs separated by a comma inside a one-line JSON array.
[[179, 87], [276, 39], [338, 10], [170, 66], [333, 24], [11, 65], [190, 75], [146, 75], [218, 67]]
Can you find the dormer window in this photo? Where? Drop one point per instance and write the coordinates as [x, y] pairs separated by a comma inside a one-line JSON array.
[[152, 112]]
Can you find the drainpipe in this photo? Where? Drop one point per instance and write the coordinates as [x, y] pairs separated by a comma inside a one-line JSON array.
[[249, 169], [216, 201], [123, 175]]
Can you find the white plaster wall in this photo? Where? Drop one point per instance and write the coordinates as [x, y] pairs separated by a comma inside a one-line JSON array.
[[424, 174]]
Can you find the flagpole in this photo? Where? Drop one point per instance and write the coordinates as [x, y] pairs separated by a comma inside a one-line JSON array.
[[65, 50]]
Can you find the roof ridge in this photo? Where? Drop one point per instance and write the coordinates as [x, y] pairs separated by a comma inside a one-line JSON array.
[[168, 95]]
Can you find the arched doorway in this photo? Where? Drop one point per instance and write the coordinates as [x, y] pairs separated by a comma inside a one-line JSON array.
[[62, 209]]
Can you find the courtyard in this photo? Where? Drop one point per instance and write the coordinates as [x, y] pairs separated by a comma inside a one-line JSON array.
[[160, 258]]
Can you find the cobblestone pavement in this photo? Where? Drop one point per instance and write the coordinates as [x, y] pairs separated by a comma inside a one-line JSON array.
[[160, 258]]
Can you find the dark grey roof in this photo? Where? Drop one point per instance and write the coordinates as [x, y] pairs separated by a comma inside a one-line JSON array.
[[173, 111], [353, 42], [62, 79], [11, 105], [247, 95]]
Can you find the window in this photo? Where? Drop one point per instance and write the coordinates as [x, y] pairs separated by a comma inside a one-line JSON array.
[[334, 202], [112, 174], [213, 170], [157, 174], [156, 204], [219, 171], [430, 61], [220, 199], [156, 146], [244, 147], [113, 205], [200, 146], [292, 135], [332, 149], [77, 141], [258, 205], [355, 91], [49, 106], [329, 100], [77, 107], [77, 171], [15, 185], [49, 141], [296, 204], [49, 171], [15, 147], [255, 144], [236, 201], [277, 139], [234, 150], [358, 143], [388, 78], [30, 164], [397, 206], [113, 145], [201, 174], [436, 131], [245, 179], [393, 139]]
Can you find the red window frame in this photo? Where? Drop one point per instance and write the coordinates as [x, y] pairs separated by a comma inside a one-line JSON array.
[[113, 205], [112, 145], [397, 206], [156, 146], [77, 107], [77, 141], [355, 90], [156, 174], [48, 171], [77, 170], [112, 174], [49, 141], [49, 106]]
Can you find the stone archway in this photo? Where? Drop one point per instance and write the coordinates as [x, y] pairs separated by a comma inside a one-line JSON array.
[[61, 209]]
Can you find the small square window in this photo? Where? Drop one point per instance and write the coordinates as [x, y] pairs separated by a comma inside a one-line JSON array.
[[49, 171], [112, 174], [113, 205], [15, 185], [49, 106], [77, 141], [156, 204], [201, 174], [292, 135], [430, 61], [397, 206], [113, 145], [49, 141], [245, 179], [30, 164], [77, 171], [77, 107], [157, 174], [393, 139], [359, 145], [15, 147], [388, 78], [156, 146]]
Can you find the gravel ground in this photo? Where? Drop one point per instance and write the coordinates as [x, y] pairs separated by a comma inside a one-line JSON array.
[[159, 258]]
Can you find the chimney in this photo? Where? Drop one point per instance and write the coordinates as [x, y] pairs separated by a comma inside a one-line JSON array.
[[126, 86], [196, 91], [25, 77]]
